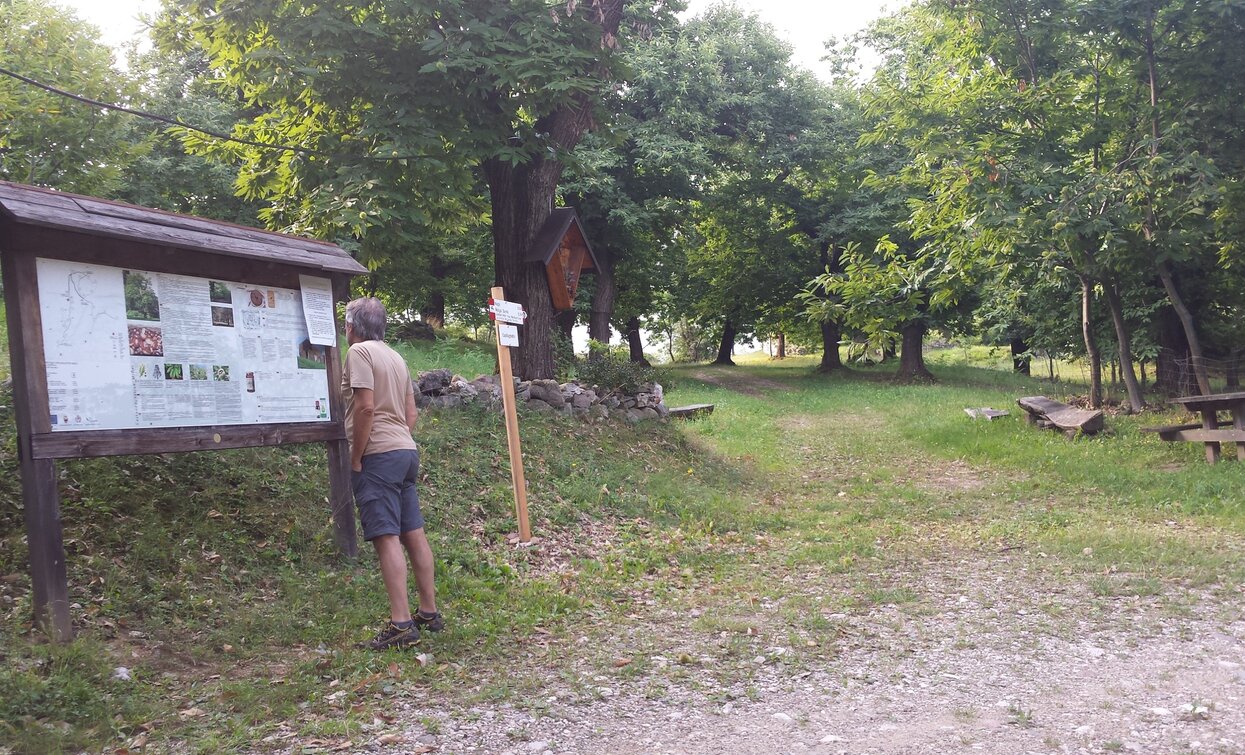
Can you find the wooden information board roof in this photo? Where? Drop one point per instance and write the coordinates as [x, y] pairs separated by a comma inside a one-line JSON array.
[[74, 213]]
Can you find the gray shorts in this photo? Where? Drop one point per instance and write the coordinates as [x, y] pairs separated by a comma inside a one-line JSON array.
[[385, 493]]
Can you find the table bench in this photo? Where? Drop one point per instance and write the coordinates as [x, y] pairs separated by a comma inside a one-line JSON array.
[[1056, 415], [1212, 431]]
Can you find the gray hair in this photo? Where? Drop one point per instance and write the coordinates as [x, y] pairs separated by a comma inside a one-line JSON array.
[[367, 317]]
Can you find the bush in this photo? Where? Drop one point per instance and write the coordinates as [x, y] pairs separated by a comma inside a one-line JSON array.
[[613, 372]]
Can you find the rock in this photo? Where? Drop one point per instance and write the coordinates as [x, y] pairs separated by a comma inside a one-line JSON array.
[[434, 381], [831, 739], [628, 402], [523, 391], [1160, 711], [783, 718], [463, 388], [539, 745], [446, 402], [1085, 731], [634, 416], [122, 673], [427, 739], [538, 405], [611, 402], [598, 411], [582, 400], [548, 391]]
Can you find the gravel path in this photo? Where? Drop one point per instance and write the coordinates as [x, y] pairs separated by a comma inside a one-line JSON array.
[[989, 657]]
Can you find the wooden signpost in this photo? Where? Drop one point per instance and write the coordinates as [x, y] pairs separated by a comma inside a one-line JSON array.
[[137, 331], [507, 315]]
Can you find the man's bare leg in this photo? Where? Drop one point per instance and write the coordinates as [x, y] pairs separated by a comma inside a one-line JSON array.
[[421, 561], [393, 572]]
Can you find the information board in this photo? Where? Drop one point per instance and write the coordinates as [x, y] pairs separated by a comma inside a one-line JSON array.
[[133, 349]]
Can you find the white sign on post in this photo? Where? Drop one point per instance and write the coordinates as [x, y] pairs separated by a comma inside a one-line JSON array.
[[507, 311], [509, 334]]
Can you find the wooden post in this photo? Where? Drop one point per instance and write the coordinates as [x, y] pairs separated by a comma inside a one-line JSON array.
[[1238, 422], [512, 428], [341, 498], [1210, 421], [40, 501]]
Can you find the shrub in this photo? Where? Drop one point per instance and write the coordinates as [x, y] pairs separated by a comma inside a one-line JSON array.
[[613, 372]]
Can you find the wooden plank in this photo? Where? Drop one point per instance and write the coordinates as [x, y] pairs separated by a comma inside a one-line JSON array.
[[162, 235], [1210, 437], [1059, 414], [691, 411], [1238, 423], [512, 428], [20, 201], [1217, 400], [1209, 422], [155, 440], [986, 413], [341, 497], [36, 195], [40, 503], [45, 541], [1171, 428]]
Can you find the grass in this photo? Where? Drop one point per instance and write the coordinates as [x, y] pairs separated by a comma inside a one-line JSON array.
[[213, 577]]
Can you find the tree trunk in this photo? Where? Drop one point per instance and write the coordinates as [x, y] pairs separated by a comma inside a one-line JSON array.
[[1150, 227], [1190, 331], [1020, 359], [831, 334], [782, 346], [1168, 377], [1091, 344], [635, 343], [603, 298], [912, 354], [727, 345], [433, 311], [521, 197], [1136, 402]]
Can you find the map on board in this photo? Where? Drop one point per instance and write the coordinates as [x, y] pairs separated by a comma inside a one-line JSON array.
[[131, 349]]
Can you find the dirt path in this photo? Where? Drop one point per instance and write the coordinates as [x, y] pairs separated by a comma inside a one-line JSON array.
[[740, 382]]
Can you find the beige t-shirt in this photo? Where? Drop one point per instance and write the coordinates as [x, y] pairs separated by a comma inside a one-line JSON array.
[[373, 364]]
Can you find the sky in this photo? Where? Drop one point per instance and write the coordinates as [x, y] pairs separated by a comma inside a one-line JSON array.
[[806, 24]]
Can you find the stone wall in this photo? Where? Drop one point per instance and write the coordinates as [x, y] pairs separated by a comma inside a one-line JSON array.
[[442, 388]]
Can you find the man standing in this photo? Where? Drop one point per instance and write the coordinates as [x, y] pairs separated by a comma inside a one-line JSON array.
[[384, 463]]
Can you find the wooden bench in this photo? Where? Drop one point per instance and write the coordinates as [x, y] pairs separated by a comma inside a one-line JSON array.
[[692, 411], [1056, 415], [1174, 432]]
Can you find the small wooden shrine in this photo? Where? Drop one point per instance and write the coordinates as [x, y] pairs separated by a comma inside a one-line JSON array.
[[563, 248]]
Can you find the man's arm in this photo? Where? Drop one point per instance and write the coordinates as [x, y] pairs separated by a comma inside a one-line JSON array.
[[364, 410], [412, 411]]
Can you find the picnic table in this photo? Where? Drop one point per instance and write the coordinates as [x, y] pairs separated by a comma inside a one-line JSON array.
[[1212, 431]]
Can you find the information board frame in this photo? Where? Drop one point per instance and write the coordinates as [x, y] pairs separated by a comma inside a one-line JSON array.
[[37, 223]]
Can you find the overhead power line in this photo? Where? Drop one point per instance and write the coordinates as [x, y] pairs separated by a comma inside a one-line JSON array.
[[182, 124]]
